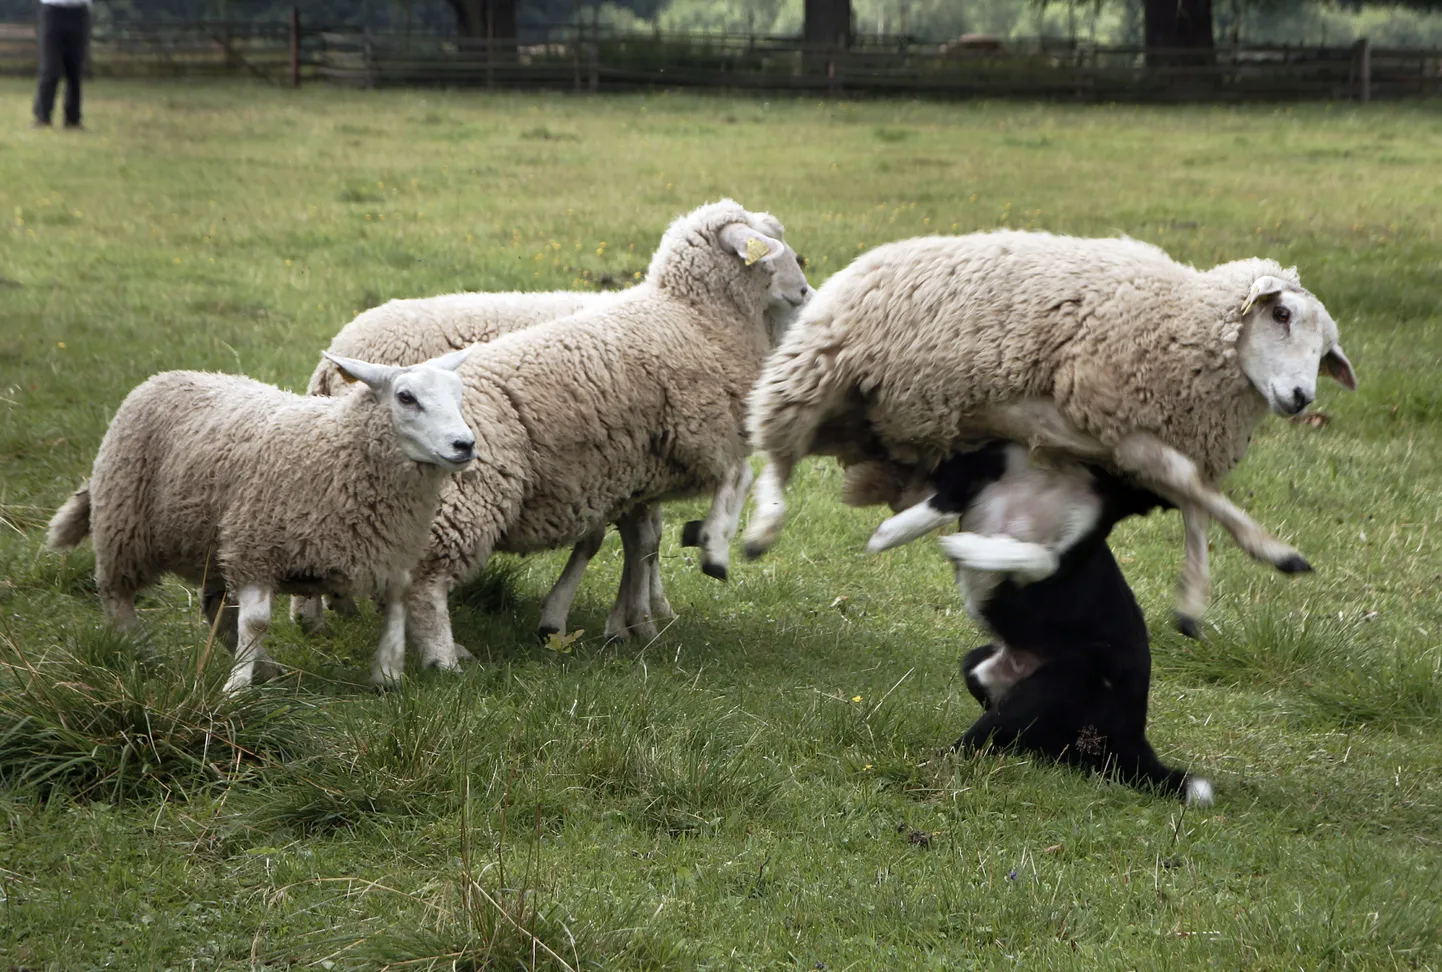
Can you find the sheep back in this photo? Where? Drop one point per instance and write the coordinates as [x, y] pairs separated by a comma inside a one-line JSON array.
[[408, 331]]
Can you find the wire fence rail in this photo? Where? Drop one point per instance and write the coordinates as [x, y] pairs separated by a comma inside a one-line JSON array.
[[588, 57]]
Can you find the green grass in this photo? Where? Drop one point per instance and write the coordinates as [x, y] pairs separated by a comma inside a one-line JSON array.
[[747, 791]]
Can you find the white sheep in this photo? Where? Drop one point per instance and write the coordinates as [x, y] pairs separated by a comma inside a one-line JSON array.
[[1106, 349], [638, 401], [405, 331], [235, 484]]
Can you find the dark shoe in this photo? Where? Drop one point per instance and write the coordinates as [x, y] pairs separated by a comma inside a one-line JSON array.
[[39, 123], [74, 127]]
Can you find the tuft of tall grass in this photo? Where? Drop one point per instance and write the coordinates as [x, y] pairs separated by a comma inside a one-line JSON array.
[[1342, 669], [106, 716]]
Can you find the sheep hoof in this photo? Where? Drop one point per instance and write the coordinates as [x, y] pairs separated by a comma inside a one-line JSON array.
[[756, 549], [462, 655], [544, 632], [1294, 565], [1188, 626], [717, 571], [691, 534], [267, 669]]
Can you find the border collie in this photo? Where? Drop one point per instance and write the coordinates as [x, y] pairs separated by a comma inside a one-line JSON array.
[[1069, 671]]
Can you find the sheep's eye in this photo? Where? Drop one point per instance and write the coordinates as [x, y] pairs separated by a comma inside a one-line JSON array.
[[405, 398], [1281, 313]]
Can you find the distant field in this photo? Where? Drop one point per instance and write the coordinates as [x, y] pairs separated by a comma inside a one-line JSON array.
[[762, 787]]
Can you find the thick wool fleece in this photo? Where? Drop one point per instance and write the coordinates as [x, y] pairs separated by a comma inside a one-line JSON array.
[[207, 473], [639, 400], [407, 332], [918, 337]]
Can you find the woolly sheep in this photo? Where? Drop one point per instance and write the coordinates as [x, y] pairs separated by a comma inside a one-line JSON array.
[[1105, 349], [403, 332], [638, 401], [235, 484]]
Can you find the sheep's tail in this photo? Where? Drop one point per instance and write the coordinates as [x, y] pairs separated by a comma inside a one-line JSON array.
[[71, 523]]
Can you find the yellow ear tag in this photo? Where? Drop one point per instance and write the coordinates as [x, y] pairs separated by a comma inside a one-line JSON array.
[[755, 250]]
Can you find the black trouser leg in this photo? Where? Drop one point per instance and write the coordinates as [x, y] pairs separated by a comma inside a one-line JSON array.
[[51, 59], [77, 38]]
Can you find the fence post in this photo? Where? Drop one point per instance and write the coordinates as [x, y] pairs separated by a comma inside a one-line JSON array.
[[295, 47], [490, 45], [1362, 51]]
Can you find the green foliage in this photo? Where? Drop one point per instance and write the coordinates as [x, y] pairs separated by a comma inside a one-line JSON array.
[[766, 785]]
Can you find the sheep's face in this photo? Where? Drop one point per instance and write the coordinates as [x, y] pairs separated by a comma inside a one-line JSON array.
[[765, 254], [1287, 339], [425, 407]]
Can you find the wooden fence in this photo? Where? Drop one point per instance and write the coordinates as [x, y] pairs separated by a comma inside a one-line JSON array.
[[585, 57]]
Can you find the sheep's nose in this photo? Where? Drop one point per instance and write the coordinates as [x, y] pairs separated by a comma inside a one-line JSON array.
[[463, 447], [1300, 400]]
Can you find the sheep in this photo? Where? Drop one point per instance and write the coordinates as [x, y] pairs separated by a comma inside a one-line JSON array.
[[1105, 349], [402, 332], [235, 484], [638, 401]]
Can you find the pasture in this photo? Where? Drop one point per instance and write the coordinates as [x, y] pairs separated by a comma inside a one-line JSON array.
[[764, 786]]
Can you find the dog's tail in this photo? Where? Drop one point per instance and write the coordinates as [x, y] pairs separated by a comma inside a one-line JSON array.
[[1003, 554], [71, 523]]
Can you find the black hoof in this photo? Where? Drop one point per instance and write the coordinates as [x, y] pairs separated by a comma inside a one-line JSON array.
[[544, 632], [1188, 626], [1295, 565], [717, 571], [754, 551], [691, 533]]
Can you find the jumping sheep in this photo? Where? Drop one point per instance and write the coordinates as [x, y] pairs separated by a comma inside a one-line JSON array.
[[1105, 349], [235, 484], [637, 401]]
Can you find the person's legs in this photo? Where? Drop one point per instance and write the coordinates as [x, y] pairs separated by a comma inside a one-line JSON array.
[[76, 40], [48, 35]]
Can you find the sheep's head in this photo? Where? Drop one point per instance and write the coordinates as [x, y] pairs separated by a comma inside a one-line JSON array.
[[1287, 339], [767, 254], [425, 406]]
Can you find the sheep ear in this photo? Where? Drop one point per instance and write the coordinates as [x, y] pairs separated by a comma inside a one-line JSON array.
[[452, 360], [1264, 288], [352, 369], [1335, 365], [749, 244]]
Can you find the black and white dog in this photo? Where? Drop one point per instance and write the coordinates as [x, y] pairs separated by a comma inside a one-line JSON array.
[[1069, 671]]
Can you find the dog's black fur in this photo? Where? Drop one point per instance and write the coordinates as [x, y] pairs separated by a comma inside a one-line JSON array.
[[1086, 704]]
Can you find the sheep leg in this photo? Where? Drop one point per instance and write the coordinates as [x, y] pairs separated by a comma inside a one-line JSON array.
[[390, 659], [1175, 477], [1195, 587], [557, 604], [308, 613], [660, 607], [253, 624], [428, 621], [631, 617], [713, 534], [213, 602], [119, 609], [770, 509]]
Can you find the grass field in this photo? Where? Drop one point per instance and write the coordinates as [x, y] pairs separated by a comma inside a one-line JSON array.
[[761, 787]]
